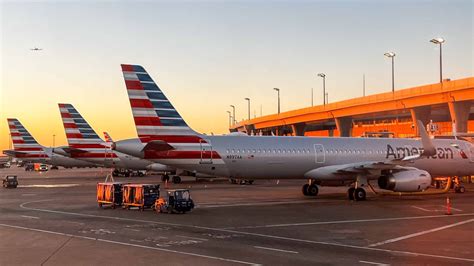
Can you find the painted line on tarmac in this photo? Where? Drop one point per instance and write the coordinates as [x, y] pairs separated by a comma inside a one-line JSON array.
[[278, 250], [443, 208], [420, 233], [258, 203], [51, 186], [352, 221], [129, 244], [269, 236], [373, 263], [191, 237], [29, 217]]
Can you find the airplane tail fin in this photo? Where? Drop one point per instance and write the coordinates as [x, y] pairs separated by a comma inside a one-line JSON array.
[[107, 137], [154, 115], [23, 142], [428, 146], [79, 133]]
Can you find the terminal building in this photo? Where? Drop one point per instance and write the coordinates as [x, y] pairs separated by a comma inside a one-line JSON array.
[[446, 108]]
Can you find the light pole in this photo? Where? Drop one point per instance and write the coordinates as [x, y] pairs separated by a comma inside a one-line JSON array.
[[312, 97], [248, 99], [439, 41], [278, 90], [54, 139], [230, 118], [392, 56], [233, 115], [322, 75]]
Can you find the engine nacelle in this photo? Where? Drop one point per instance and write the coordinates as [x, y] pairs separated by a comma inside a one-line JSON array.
[[132, 147], [159, 167], [406, 181]]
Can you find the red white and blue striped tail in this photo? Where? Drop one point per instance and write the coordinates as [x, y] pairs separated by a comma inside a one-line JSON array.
[[24, 145], [107, 137], [82, 139], [154, 115]]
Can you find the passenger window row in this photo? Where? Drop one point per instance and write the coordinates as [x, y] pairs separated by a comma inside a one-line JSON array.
[[346, 151], [268, 151]]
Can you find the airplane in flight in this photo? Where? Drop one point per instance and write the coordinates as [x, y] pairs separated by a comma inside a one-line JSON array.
[[400, 165], [36, 49], [86, 145], [26, 148]]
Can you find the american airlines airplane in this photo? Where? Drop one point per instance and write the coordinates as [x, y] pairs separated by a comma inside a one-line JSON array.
[[86, 145], [401, 165], [26, 148]]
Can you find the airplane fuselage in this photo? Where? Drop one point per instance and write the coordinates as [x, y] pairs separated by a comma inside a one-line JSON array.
[[268, 157]]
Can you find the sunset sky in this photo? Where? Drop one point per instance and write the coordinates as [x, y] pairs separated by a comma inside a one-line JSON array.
[[206, 55]]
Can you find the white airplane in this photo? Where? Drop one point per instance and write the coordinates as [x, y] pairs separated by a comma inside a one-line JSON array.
[[36, 49], [86, 145], [26, 148], [401, 165]]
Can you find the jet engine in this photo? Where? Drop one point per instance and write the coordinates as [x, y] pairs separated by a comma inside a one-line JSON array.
[[406, 181], [159, 167]]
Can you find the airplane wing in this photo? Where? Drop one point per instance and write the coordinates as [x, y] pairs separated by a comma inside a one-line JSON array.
[[373, 168], [157, 145]]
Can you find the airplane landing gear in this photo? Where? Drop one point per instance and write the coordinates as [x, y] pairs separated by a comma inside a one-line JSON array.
[[356, 194], [310, 189]]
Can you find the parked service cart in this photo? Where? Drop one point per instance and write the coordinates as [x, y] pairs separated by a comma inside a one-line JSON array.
[[10, 181], [177, 201], [140, 195], [110, 193]]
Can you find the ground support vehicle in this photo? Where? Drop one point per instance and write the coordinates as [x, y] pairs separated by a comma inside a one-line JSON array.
[[176, 201], [10, 181]]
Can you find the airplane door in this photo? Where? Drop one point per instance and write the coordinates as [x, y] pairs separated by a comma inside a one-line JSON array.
[[470, 148], [206, 151], [319, 151]]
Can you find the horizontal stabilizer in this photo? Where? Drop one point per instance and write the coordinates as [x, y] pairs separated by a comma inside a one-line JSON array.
[[73, 150], [13, 153], [157, 145]]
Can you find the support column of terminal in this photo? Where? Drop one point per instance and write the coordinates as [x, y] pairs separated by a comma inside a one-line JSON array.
[[344, 125], [423, 114], [459, 112], [298, 129]]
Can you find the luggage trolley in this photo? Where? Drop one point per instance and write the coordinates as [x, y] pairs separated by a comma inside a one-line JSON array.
[[109, 193], [140, 195]]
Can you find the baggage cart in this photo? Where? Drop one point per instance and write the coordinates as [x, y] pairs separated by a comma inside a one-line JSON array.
[[110, 193], [140, 195]]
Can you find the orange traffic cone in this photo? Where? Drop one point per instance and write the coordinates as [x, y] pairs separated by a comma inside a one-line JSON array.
[[448, 206]]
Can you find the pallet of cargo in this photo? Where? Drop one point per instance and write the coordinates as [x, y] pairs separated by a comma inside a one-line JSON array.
[[140, 195], [110, 194]]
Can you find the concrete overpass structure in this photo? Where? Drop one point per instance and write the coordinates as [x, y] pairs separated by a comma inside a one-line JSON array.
[[449, 105]]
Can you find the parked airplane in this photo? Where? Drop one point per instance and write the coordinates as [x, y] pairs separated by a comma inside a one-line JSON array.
[[26, 148], [402, 165], [86, 145]]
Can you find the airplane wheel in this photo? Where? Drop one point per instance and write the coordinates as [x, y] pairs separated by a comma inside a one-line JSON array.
[[176, 179], [305, 189], [350, 193], [359, 194], [313, 190], [460, 189], [165, 178]]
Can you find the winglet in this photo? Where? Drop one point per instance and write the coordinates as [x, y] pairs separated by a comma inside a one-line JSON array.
[[428, 147]]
